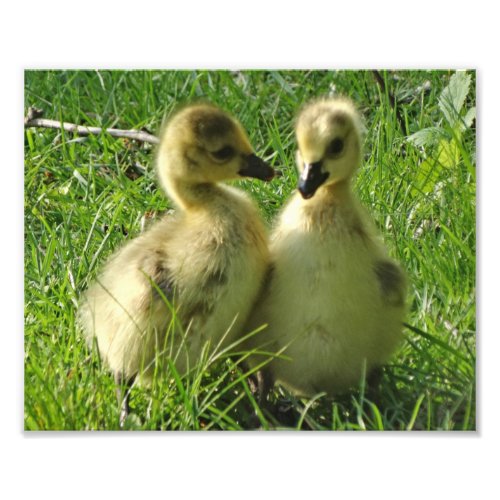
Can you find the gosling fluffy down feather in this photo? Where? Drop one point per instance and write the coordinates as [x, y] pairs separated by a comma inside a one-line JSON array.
[[334, 302], [208, 260]]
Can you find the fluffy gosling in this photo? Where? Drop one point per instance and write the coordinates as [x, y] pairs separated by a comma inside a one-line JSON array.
[[208, 259], [335, 300]]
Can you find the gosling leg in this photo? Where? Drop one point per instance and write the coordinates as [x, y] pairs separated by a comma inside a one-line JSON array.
[[123, 386], [260, 385], [373, 385]]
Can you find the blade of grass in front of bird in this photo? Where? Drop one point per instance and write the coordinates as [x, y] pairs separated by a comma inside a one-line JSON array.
[[414, 414]]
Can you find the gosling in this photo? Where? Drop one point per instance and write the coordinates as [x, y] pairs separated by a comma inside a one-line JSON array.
[[207, 262], [335, 301]]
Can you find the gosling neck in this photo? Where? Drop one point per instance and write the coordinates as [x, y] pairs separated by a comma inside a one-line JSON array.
[[191, 196], [335, 193], [327, 204]]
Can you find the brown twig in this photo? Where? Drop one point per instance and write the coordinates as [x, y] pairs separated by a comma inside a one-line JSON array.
[[33, 119], [380, 80]]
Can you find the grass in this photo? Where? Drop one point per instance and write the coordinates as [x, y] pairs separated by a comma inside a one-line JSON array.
[[84, 197]]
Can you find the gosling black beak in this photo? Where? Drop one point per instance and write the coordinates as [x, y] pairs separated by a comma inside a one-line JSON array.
[[311, 179], [253, 166]]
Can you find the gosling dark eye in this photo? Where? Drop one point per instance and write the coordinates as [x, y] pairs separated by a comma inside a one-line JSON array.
[[335, 147], [224, 153]]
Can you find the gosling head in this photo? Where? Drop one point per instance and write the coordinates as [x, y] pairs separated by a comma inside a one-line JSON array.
[[329, 140], [202, 144]]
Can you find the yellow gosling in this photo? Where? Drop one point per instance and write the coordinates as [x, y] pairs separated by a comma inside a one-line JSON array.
[[208, 259], [335, 301]]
